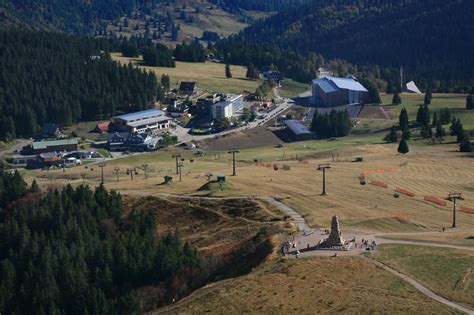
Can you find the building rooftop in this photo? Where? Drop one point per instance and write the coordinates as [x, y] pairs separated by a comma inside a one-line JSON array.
[[36, 145], [144, 114], [150, 121], [187, 86], [332, 84], [297, 127]]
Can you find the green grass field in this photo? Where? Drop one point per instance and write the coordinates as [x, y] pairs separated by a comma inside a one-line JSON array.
[[292, 88], [455, 102], [446, 271], [210, 76]]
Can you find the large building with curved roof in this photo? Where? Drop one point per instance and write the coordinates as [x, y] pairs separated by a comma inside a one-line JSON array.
[[332, 91]]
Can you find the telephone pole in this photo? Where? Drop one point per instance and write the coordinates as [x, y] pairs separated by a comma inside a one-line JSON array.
[[324, 167], [453, 198], [177, 156], [233, 152], [102, 165]]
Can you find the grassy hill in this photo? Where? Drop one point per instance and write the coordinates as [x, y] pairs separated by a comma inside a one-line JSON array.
[[446, 271], [193, 17], [343, 285]]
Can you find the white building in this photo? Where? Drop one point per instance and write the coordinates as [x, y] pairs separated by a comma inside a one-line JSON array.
[[227, 107], [237, 102], [150, 119], [222, 110]]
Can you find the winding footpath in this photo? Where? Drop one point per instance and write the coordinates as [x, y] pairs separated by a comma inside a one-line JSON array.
[[302, 226]]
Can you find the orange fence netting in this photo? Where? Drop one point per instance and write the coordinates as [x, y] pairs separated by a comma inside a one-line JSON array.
[[379, 184], [405, 192], [400, 215], [436, 200], [467, 210]]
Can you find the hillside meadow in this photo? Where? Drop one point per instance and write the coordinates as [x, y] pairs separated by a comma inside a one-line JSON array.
[[210, 76]]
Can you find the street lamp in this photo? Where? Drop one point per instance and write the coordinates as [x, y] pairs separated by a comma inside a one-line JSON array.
[[324, 167], [453, 198]]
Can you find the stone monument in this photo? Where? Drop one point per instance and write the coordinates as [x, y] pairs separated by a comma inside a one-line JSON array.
[[335, 241]]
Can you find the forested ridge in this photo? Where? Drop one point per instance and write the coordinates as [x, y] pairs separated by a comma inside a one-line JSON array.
[[73, 16], [433, 40], [258, 5], [49, 77], [77, 251]]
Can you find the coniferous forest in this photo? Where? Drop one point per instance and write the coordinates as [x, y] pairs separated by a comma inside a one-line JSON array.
[[331, 125], [50, 77], [76, 251], [432, 40]]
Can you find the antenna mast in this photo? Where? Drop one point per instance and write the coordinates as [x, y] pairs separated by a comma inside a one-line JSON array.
[[401, 79]]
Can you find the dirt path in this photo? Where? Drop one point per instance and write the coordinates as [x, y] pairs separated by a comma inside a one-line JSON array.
[[420, 287]]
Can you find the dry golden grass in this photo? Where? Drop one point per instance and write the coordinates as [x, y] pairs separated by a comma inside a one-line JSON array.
[[343, 285], [210, 76], [427, 170], [215, 227]]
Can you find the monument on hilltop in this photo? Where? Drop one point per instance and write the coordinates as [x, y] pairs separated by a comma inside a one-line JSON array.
[[335, 241]]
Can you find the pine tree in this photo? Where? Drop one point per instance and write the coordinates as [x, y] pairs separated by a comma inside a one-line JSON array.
[[435, 120], [165, 82], [423, 115], [440, 132], [34, 186], [406, 135], [445, 116], [465, 145], [460, 133], [396, 100], [403, 120], [228, 73], [470, 102], [428, 96], [392, 137], [252, 72], [403, 147], [426, 132]]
